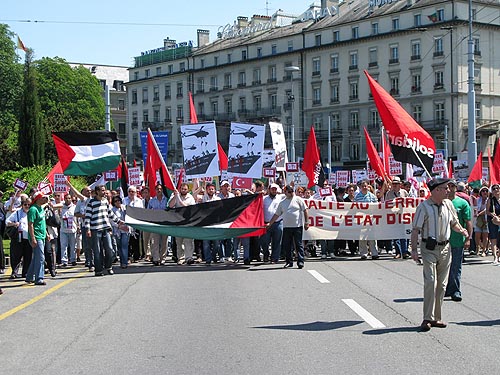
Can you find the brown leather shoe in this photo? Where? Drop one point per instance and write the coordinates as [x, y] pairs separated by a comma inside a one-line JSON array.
[[425, 326], [438, 324]]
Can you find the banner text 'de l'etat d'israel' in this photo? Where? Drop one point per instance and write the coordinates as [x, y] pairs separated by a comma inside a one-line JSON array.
[[359, 220]]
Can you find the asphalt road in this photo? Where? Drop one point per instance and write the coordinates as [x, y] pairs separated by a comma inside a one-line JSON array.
[[347, 317]]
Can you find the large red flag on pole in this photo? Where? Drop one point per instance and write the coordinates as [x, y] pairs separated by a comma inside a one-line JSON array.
[[222, 158], [193, 118], [373, 156], [493, 173], [155, 162], [312, 162], [410, 143], [476, 174]]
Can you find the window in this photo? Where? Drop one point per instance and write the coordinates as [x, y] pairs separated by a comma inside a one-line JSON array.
[[317, 40], [290, 45], [201, 85], [316, 95], [158, 70], [439, 114], [202, 63], [374, 119], [374, 28], [257, 103], [355, 32], [145, 115], [147, 73], [121, 104], [440, 14], [180, 113], [395, 24], [136, 76], [256, 77], [417, 113], [415, 83], [353, 60], [273, 100], [353, 90], [336, 152], [438, 47], [213, 83], [168, 91], [394, 54], [135, 140], [316, 65], [354, 120], [336, 36], [244, 54], [170, 69], [168, 114], [134, 96], [122, 130], [334, 93], [229, 58], [273, 49], [317, 121], [144, 94], [438, 79], [394, 85], [477, 49], [477, 74], [227, 80], [134, 119], [334, 63], [474, 14], [335, 121], [417, 20], [156, 115], [228, 106], [243, 103], [201, 108], [477, 110], [182, 66], [415, 50], [272, 74], [180, 90], [242, 79], [354, 151], [373, 57], [259, 51], [156, 93]]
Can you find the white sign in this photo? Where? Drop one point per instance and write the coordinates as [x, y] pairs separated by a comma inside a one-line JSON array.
[[342, 178], [269, 172], [60, 183], [134, 176], [298, 178], [45, 188], [359, 175], [111, 175], [332, 178], [439, 163], [20, 184], [292, 167], [325, 192]]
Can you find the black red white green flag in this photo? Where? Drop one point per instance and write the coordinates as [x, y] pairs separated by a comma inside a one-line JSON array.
[[155, 162], [227, 218], [312, 162], [409, 142], [476, 174], [87, 153]]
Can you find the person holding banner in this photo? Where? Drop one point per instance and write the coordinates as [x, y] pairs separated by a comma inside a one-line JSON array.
[[434, 219], [274, 233], [291, 210], [364, 195], [134, 241], [37, 234]]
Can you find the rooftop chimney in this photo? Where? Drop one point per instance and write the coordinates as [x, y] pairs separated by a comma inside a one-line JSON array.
[[242, 21], [169, 43], [203, 37]]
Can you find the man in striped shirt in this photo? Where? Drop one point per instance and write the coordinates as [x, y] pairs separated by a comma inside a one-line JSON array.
[[98, 228]]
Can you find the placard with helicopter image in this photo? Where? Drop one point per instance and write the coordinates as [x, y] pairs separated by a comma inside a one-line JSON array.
[[246, 147], [199, 146], [279, 145]]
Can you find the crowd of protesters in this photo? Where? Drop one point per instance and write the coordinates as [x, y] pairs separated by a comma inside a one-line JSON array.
[[88, 227]]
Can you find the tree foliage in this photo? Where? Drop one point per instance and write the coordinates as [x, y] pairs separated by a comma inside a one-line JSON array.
[[31, 136], [10, 91]]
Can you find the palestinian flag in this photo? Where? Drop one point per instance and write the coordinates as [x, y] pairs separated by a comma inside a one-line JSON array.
[[87, 153], [226, 218]]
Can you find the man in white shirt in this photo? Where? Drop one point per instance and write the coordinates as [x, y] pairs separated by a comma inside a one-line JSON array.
[[211, 247], [182, 198], [274, 233], [134, 201]]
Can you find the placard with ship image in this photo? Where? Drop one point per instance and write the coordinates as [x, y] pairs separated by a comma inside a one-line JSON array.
[[279, 145], [199, 145], [246, 146]]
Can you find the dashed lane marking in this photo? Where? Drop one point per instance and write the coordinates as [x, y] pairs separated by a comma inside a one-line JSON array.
[[319, 277], [365, 315]]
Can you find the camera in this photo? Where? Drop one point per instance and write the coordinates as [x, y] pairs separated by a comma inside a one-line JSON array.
[[430, 243]]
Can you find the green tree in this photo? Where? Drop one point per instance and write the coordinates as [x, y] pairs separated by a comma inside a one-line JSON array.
[[31, 136], [10, 92], [70, 98]]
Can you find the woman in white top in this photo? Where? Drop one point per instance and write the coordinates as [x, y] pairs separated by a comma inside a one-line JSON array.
[[20, 247]]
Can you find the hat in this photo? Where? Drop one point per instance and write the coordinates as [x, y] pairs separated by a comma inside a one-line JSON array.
[[273, 185], [396, 180], [461, 186], [484, 188], [452, 182], [38, 195], [435, 182], [225, 183]]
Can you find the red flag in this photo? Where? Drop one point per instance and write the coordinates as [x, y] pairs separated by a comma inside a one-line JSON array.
[[155, 162], [55, 170], [135, 164], [122, 172], [242, 183], [373, 156], [222, 158], [312, 162], [476, 174], [193, 119], [410, 143], [493, 173], [181, 177], [450, 168]]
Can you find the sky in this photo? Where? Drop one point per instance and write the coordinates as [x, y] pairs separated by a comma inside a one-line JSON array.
[[111, 32]]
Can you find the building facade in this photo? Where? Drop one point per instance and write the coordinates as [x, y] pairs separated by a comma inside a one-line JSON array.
[[308, 70]]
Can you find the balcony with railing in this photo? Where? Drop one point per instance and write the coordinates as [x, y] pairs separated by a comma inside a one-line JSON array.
[[153, 125], [438, 53], [415, 57], [225, 117], [393, 61], [373, 64], [416, 90], [434, 126]]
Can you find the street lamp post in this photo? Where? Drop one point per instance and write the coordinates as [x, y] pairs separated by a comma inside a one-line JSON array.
[[291, 99]]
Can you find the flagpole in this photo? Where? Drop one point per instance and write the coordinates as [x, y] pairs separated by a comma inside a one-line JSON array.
[[421, 163], [383, 147]]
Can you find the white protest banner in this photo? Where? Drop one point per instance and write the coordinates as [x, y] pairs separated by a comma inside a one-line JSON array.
[[111, 175], [60, 183], [359, 175], [391, 219], [269, 172], [134, 176], [342, 178], [45, 188], [20, 184]]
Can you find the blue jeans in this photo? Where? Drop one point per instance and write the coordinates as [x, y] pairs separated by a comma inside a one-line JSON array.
[[400, 246], [122, 244], [210, 250], [453, 286], [103, 250], [273, 235], [293, 236], [245, 242], [67, 239], [36, 269], [87, 249], [228, 247]]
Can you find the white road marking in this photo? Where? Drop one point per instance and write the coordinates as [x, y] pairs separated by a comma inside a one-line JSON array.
[[319, 277], [365, 315]]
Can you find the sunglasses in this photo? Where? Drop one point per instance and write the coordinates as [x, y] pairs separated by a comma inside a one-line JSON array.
[[496, 188], [26, 204]]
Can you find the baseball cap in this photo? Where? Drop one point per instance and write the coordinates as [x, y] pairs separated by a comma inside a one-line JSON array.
[[435, 182], [38, 195], [225, 183]]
